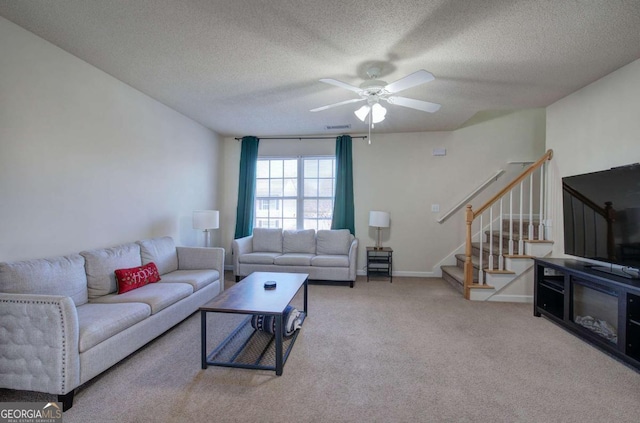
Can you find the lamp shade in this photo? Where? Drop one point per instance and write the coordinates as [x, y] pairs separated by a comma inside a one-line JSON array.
[[379, 219], [377, 113], [362, 112], [206, 219]]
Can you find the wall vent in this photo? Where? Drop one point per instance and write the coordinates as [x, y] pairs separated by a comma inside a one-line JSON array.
[[338, 126]]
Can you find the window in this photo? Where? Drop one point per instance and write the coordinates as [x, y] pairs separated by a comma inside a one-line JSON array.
[[295, 193]]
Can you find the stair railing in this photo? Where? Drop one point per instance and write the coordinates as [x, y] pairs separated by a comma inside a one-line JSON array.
[[496, 258], [493, 178]]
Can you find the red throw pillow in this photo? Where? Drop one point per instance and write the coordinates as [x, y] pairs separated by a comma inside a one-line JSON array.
[[135, 277]]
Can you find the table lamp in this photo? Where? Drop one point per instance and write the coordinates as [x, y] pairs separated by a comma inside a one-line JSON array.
[[379, 220], [206, 220]]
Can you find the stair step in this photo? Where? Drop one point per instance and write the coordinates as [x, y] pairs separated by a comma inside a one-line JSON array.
[[516, 224], [500, 272], [475, 261], [454, 276], [460, 259], [505, 236], [478, 286], [475, 250], [517, 256]]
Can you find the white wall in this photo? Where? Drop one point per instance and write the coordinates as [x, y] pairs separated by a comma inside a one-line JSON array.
[[86, 161], [595, 128], [399, 174]]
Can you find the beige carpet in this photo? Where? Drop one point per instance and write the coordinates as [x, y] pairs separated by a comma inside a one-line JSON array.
[[409, 351]]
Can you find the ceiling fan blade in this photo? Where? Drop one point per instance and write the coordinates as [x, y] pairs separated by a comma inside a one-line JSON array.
[[341, 85], [354, 100], [416, 78], [425, 106]]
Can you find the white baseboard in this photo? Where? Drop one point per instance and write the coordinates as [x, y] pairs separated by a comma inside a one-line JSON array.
[[512, 298], [363, 272], [407, 274], [403, 273]]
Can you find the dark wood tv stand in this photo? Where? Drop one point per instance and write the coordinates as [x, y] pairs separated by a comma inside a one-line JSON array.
[[599, 308]]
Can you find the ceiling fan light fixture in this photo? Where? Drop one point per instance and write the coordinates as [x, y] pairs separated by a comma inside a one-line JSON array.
[[374, 90], [362, 112], [378, 113]]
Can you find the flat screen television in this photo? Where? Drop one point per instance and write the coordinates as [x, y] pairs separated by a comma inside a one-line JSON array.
[[601, 212]]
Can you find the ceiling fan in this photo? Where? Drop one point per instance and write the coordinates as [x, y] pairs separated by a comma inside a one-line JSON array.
[[374, 90]]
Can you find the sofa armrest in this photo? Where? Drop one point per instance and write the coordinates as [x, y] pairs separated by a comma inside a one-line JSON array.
[[353, 256], [39, 343], [197, 258], [238, 247]]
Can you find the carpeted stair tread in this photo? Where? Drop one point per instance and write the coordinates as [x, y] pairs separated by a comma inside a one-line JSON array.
[[475, 260]]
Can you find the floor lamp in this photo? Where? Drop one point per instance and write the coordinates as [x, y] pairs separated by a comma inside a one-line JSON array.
[[206, 220], [379, 220]]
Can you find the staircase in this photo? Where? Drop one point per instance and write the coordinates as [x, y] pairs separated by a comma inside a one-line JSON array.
[[514, 265], [507, 237]]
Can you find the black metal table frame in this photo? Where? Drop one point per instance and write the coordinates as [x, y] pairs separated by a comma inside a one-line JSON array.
[[281, 356]]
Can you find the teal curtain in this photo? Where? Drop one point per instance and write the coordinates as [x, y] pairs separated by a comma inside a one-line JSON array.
[[247, 187], [343, 209]]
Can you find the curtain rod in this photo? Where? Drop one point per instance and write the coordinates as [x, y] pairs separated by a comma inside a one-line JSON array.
[[302, 138]]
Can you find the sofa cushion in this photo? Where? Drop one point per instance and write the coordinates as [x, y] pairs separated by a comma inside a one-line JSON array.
[[157, 295], [136, 277], [101, 264], [303, 241], [161, 251], [267, 240], [196, 278], [330, 261], [337, 241], [54, 276], [293, 259], [98, 322], [258, 258], [197, 258]]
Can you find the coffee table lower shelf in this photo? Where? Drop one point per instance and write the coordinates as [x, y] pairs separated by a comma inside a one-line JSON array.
[[248, 348]]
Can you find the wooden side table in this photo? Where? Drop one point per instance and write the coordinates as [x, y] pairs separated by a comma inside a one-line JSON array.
[[380, 262]]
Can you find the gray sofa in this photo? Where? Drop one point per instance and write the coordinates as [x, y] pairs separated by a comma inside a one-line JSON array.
[[325, 255], [63, 321]]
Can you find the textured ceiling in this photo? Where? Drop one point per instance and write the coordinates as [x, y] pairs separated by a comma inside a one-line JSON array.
[[252, 67]]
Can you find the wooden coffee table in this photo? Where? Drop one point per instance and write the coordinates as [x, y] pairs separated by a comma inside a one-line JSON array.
[[246, 347]]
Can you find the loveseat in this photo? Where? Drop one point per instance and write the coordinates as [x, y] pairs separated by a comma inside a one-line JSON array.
[[63, 320], [325, 255]]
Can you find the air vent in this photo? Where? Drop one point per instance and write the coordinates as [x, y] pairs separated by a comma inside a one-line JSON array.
[[338, 126]]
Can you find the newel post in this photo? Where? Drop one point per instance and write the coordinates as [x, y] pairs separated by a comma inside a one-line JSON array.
[[468, 265]]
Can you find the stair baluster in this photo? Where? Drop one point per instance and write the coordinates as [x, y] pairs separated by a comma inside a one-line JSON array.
[[520, 233], [480, 264], [501, 255], [530, 231], [511, 222], [542, 186], [490, 258]]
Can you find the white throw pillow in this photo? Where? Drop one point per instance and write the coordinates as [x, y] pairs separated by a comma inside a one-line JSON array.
[[336, 241], [161, 251], [303, 241], [267, 240]]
